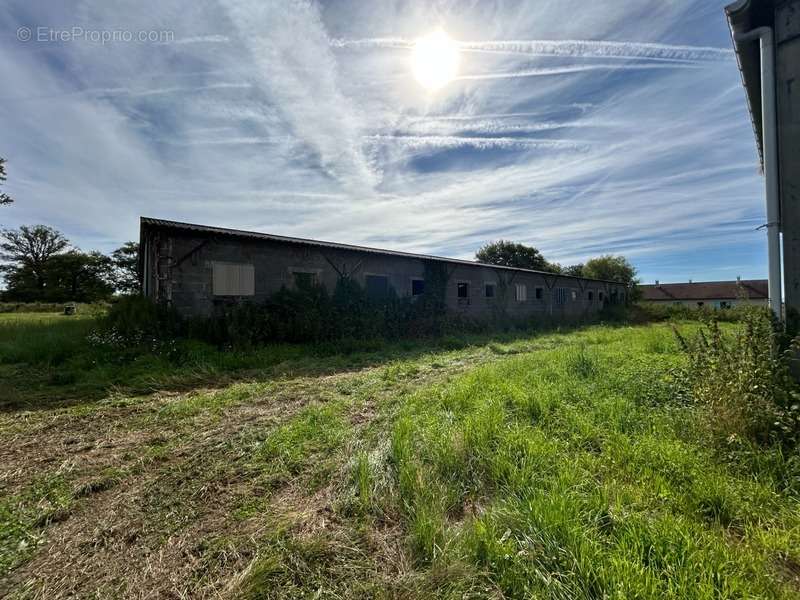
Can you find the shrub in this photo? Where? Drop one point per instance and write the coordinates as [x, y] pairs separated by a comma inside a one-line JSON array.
[[133, 323], [645, 312], [744, 381]]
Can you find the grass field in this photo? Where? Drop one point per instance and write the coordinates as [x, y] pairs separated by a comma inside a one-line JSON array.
[[559, 465]]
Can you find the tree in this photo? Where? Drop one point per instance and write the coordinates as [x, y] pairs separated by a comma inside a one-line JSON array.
[[574, 270], [512, 254], [125, 261], [613, 268], [70, 276], [4, 198], [78, 277], [29, 249]]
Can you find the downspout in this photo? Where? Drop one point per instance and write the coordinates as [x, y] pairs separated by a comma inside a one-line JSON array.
[[769, 127]]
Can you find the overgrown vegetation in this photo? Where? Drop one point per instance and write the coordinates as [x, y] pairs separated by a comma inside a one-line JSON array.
[[744, 383], [582, 463], [646, 312]]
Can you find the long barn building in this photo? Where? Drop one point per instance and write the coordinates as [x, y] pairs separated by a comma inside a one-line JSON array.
[[200, 270]]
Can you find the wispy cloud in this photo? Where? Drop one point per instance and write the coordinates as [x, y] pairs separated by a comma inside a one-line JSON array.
[[563, 48], [568, 69], [303, 118]]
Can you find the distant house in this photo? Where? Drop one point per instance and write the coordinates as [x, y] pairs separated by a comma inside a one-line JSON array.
[[200, 270], [708, 294]]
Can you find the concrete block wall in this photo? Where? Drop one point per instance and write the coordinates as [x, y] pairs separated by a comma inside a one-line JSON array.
[[179, 265]]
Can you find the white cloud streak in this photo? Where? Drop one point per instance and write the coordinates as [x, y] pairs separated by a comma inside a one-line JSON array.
[[298, 118], [563, 48]]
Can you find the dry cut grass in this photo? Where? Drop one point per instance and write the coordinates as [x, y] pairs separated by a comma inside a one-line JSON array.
[[565, 465]]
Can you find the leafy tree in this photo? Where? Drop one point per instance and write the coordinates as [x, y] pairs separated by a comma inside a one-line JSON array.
[[613, 268], [513, 254], [4, 198], [70, 276], [125, 262], [29, 249], [574, 270], [79, 277]]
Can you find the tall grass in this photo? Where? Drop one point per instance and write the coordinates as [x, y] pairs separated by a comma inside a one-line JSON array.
[[41, 339], [580, 472], [743, 381]]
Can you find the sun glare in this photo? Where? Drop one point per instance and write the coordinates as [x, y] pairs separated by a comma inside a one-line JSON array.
[[435, 60]]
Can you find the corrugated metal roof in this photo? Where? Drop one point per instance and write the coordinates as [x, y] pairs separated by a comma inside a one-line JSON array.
[[754, 289], [153, 222]]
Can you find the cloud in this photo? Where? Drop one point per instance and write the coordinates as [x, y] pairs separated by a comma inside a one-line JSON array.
[[563, 48], [302, 118], [300, 78], [569, 69]]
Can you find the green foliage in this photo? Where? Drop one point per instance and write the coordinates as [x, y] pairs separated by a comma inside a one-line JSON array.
[[650, 312], [573, 473], [125, 262], [513, 254], [4, 198], [28, 249], [744, 381], [42, 268], [613, 268], [574, 270], [47, 307], [310, 314]]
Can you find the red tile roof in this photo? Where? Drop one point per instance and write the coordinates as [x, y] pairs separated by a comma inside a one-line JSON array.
[[707, 290]]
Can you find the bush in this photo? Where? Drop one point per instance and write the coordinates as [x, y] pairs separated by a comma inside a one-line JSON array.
[[744, 381], [134, 323], [645, 312]]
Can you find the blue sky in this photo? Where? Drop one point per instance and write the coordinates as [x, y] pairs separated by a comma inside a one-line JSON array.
[[582, 128]]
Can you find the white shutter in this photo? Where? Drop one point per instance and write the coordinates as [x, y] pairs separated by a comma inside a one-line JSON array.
[[522, 292], [233, 279]]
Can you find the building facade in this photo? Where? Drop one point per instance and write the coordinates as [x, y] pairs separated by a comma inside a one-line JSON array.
[[707, 294], [201, 270], [779, 22]]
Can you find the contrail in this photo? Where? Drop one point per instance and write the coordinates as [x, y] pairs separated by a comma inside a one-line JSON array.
[[452, 141], [575, 69], [564, 48], [601, 49]]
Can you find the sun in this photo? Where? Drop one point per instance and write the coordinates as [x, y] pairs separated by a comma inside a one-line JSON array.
[[435, 60]]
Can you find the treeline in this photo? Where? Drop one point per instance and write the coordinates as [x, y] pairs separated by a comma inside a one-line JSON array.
[[41, 265], [608, 267]]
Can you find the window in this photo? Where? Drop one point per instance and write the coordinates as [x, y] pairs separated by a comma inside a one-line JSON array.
[[560, 296], [574, 295], [600, 296], [417, 287], [591, 296], [490, 290], [377, 286], [539, 293], [304, 279], [463, 290], [232, 279], [521, 292], [700, 304]]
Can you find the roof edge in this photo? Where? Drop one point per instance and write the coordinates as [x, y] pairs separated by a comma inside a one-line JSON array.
[[169, 224]]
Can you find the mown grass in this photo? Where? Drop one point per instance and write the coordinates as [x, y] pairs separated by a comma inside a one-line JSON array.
[[557, 465], [49, 359]]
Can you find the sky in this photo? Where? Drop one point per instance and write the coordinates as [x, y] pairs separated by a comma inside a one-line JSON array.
[[581, 128]]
